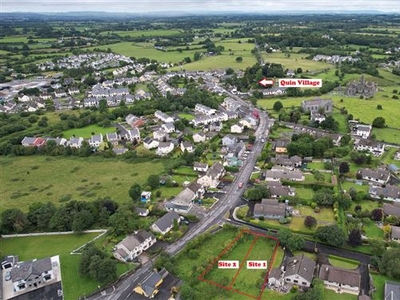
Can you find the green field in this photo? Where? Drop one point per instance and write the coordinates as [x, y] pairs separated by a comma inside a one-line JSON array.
[[332, 295], [295, 61], [86, 132], [343, 262], [389, 135], [378, 281], [28, 248], [144, 33], [365, 205], [36, 178], [188, 117]]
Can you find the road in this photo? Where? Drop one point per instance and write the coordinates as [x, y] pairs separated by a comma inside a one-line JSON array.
[[124, 288]]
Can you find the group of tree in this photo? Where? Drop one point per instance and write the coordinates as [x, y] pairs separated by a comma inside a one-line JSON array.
[[257, 193], [306, 145], [332, 235], [291, 241]]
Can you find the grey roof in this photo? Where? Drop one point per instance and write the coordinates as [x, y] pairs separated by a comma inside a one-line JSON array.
[[148, 284], [167, 220], [184, 198], [340, 275], [169, 125], [284, 174], [391, 191], [392, 290], [275, 273], [25, 269], [194, 187], [96, 138], [281, 143], [279, 191], [134, 240], [378, 174], [266, 210], [391, 209], [215, 170], [395, 232], [300, 265], [200, 165], [28, 140]]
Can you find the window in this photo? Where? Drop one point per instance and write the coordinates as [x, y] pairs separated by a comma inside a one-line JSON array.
[[295, 281], [304, 283]]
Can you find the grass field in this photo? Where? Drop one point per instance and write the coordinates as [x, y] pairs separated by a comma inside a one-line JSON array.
[[28, 248], [373, 231], [188, 117], [365, 205], [343, 262], [144, 33], [389, 135], [347, 185], [332, 295], [378, 281], [86, 132], [295, 61], [37, 178]]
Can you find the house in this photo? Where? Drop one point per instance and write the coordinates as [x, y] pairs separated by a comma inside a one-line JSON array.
[[236, 149], [276, 174], [96, 140], [380, 176], [228, 140], [205, 110], [199, 137], [143, 212], [133, 134], [168, 127], [165, 223], [290, 73], [230, 104], [395, 234], [134, 121], [28, 141], [149, 284], [187, 146], [274, 91], [324, 105], [133, 245], [285, 161], [374, 147], [163, 117], [339, 279], [389, 192], [57, 141], [361, 130], [35, 279], [212, 177], [183, 202], [75, 142], [200, 167], [145, 196], [237, 128], [164, 148], [392, 290], [160, 135], [270, 209], [113, 137], [149, 143], [317, 117], [279, 146], [277, 190], [249, 122], [299, 270], [392, 209], [394, 169]]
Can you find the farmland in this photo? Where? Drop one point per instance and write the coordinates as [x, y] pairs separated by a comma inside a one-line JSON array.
[[87, 131]]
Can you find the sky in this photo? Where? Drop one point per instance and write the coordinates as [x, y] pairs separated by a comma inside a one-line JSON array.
[[144, 6]]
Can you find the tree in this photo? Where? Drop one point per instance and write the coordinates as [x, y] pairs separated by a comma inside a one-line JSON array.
[[82, 220], [377, 214], [278, 106], [390, 263], [379, 122], [135, 192], [239, 59], [196, 56], [344, 167], [355, 238], [257, 193], [299, 70], [379, 107], [39, 214], [102, 269], [310, 222], [330, 123], [153, 181], [331, 234], [324, 196], [387, 229], [289, 240], [13, 220]]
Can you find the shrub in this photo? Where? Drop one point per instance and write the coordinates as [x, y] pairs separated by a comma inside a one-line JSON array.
[[317, 209], [313, 205]]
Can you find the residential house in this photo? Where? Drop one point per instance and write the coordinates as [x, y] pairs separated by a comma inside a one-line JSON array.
[[325, 105], [361, 130], [380, 176], [317, 117], [394, 169], [96, 140], [150, 283], [134, 121], [163, 117], [279, 146], [60, 93], [236, 149], [199, 137], [133, 134], [28, 141], [395, 234], [270, 209], [276, 174], [237, 128], [75, 142], [339, 279], [274, 91], [374, 147], [290, 73], [205, 110], [213, 127], [145, 196], [73, 91], [278, 190], [134, 245], [391, 209], [165, 223], [249, 122], [164, 148], [298, 270], [285, 161], [230, 104], [392, 290], [200, 167], [212, 177], [168, 127], [149, 143], [187, 146], [160, 135], [142, 212], [228, 140], [183, 202], [113, 137], [388, 193]]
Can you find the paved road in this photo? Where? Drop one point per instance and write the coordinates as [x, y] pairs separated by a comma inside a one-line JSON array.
[[124, 288]]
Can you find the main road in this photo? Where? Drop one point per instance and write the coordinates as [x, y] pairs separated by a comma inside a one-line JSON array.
[[124, 288]]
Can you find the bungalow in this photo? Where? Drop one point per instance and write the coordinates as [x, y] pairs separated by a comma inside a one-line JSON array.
[[374, 147], [199, 137], [237, 128], [168, 127], [279, 146], [160, 135], [149, 143], [389, 192], [134, 134], [165, 223], [113, 137], [163, 117], [183, 202], [205, 110], [380, 176], [277, 190], [276, 174], [395, 234], [96, 140], [270, 209], [75, 142], [164, 148], [200, 167], [212, 177], [133, 245], [274, 91], [228, 140], [187, 146], [57, 141], [142, 212], [149, 284], [28, 141], [134, 121], [392, 209], [339, 279], [285, 161]]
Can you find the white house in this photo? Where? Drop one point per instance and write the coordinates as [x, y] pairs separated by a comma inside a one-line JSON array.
[[388, 193], [96, 140], [187, 146], [75, 142], [160, 135], [212, 177], [149, 143], [205, 110], [361, 130], [237, 128], [164, 148], [134, 134], [163, 117], [165, 223], [199, 137], [168, 127], [380, 176], [200, 167], [183, 202], [339, 279], [133, 245], [374, 147]]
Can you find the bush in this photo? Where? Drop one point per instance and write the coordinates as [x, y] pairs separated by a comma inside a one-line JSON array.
[[313, 205], [317, 209]]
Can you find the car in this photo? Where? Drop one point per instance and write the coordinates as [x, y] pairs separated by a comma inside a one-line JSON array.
[[8, 276]]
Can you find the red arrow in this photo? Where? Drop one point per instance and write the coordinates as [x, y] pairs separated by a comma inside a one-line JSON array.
[[264, 82]]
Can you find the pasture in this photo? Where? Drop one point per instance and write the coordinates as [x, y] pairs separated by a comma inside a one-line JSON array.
[[143, 33], [296, 60], [86, 132]]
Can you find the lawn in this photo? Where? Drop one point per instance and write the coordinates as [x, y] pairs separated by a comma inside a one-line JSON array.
[[143, 33], [388, 157], [341, 262], [372, 231], [324, 216], [389, 135], [37, 178], [365, 205], [332, 295], [378, 281], [86, 132], [347, 185], [39, 247], [208, 202], [296, 60], [316, 165], [188, 117]]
